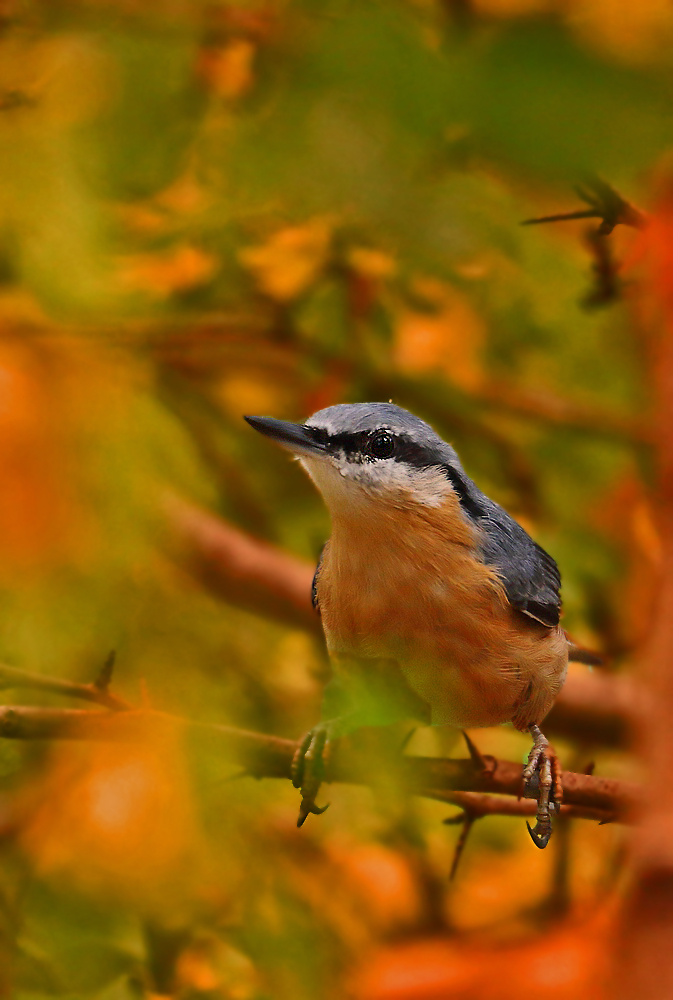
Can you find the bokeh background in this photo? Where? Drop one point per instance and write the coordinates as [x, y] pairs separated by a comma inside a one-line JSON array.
[[216, 208]]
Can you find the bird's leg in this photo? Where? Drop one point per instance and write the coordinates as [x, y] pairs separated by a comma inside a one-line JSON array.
[[542, 770], [310, 761], [375, 693]]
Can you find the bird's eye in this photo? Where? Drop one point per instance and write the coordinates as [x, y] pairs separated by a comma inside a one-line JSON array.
[[381, 445]]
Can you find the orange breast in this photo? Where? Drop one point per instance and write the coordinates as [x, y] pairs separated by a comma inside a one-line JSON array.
[[411, 588], [410, 578]]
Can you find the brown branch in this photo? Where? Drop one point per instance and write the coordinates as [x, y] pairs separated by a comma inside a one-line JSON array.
[[244, 571], [12, 677], [271, 756], [558, 411], [480, 804], [586, 791], [477, 805], [597, 708]]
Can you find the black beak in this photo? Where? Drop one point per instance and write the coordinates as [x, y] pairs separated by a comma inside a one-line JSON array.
[[295, 437]]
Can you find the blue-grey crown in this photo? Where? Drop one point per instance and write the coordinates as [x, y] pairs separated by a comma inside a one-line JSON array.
[[354, 417], [351, 428]]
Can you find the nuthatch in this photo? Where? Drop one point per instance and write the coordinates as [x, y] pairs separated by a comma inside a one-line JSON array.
[[435, 603]]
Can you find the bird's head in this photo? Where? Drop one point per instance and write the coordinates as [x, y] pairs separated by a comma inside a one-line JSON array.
[[362, 454]]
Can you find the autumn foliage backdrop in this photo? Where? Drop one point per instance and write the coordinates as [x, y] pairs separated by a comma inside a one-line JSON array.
[[216, 208]]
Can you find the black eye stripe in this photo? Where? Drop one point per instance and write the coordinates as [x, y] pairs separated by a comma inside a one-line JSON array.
[[350, 444], [319, 434], [357, 445]]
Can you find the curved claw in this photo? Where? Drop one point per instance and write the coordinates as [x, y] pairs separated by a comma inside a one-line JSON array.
[[539, 839], [308, 808]]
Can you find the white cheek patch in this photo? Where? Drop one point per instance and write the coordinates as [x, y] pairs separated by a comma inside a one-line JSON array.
[[429, 487], [357, 484]]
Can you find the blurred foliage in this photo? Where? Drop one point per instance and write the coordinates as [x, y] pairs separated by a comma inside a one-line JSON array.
[[211, 208]]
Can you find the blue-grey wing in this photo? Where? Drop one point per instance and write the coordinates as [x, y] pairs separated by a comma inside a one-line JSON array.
[[529, 575]]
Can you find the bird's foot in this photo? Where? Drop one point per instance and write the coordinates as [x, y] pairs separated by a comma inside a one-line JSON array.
[[542, 781], [308, 768]]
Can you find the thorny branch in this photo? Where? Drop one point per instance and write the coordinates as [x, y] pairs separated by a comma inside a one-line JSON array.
[[480, 804], [96, 692], [604, 203], [612, 209], [265, 756], [480, 785]]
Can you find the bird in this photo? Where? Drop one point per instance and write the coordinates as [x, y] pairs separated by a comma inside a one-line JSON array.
[[435, 603]]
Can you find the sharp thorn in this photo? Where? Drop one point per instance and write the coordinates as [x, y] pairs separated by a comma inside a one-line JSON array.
[[589, 769], [460, 845], [102, 682], [563, 217], [476, 756], [455, 820]]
